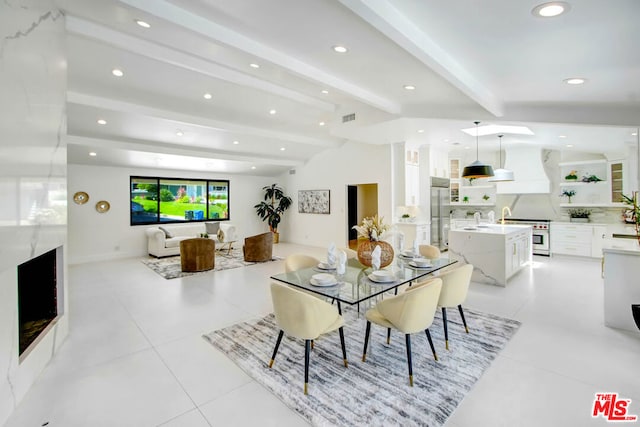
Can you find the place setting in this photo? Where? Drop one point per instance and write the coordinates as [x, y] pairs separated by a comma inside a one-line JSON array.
[[336, 262]]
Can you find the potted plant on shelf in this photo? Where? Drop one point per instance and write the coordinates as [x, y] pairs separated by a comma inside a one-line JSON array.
[[590, 178], [568, 193], [573, 176], [465, 199], [579, 215], [272, 207], [485, 198]]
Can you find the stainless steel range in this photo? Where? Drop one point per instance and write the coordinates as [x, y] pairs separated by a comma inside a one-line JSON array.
[[540, 238]]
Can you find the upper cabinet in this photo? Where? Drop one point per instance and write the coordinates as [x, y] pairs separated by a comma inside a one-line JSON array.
[[591, 183]]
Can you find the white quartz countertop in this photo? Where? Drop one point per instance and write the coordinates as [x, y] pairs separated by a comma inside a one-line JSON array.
[[579, 223], [622, 246], [492, 229]]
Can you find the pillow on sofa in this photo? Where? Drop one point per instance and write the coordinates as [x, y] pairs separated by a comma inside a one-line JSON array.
[[166, 233], [212, 228]]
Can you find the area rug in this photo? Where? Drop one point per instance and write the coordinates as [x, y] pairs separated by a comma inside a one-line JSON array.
[[169, 267], [375, 392]]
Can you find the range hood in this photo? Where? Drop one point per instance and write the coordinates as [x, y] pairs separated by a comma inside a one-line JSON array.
[[528, 169]]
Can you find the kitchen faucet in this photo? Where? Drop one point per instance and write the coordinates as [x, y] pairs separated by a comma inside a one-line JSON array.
[[508, 210]]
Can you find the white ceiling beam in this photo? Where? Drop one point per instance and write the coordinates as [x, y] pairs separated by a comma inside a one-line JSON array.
[[164, 148], [189, 62], [382, 15], [219, 33], [187, 119]]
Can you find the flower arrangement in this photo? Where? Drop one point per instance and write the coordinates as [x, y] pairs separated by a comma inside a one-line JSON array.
[[573, 175], [568, 193], [371, 228]]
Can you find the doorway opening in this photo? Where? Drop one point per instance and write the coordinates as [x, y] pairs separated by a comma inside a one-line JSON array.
[[362, 202]]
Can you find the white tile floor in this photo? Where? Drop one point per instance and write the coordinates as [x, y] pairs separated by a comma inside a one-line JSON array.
[[135, 356]]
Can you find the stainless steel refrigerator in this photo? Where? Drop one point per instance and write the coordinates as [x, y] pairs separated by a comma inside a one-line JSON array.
[[440, 210]]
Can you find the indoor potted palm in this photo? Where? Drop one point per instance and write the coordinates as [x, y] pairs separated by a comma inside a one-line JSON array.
[[272, 207]]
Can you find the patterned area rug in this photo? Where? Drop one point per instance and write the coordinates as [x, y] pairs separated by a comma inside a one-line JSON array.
[[375, 392], [169, 267]]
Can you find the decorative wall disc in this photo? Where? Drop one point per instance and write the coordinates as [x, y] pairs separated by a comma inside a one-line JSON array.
[[102, 206], [81, 197]]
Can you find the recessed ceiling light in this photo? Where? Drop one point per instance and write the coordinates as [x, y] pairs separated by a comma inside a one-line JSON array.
[[102, 122], [562, 136], [409, 87], [551, 9], [446, 140], [93, 154], [569, 145], [467, 147], [272, 112], [340, 49], [420, 130], [575, 81], [207, 96], [143, 24], [254, 65], [179, 133], [321, 124], [325, 91], [117, 72], [496, 129], [253, 167], [236, 142], [282, 148], [634, 134]]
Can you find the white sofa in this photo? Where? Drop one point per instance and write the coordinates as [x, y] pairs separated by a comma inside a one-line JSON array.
[[159, 245]]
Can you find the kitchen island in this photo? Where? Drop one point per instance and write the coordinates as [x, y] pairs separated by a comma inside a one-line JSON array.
[[497, 252], [621, 269]]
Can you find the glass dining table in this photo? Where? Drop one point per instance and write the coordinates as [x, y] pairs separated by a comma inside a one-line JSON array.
[[355, 286]]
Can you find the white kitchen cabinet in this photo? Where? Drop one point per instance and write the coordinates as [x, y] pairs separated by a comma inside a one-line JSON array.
[[597, 240], [577, 239]]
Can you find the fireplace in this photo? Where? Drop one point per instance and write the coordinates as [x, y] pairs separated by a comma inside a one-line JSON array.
[[38, 303]]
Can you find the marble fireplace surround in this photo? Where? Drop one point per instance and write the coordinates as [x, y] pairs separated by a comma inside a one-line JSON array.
[[33, 179]]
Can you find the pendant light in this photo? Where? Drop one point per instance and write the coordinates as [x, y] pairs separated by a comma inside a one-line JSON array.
[[500, 174], [477, 169]]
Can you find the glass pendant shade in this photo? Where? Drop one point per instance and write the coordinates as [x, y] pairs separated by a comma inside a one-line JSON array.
[[501, 175], [477, 169]]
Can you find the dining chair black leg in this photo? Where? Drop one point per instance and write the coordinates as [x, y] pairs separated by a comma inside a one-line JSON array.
[[408, 339], [275, 350], [433, 350], [307, 350], [366, 341], [446, 331], [464, 322], [344, 349], [313, 345], [388, 336]]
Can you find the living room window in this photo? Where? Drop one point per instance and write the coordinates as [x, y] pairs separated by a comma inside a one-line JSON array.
[[162, 200]]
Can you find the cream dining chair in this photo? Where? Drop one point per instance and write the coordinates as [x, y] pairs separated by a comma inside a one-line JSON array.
[[409, 312], [455, 287], [299, 261], [302, 316], [429, 251]]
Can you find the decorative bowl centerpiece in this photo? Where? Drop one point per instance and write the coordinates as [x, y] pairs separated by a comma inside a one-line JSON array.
[[369, 233]]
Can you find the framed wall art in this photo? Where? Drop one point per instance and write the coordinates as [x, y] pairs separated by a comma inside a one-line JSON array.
[[314, 201]]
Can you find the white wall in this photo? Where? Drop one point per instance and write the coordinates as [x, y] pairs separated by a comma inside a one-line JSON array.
[[97, 236], [350, 164], [32, 177]]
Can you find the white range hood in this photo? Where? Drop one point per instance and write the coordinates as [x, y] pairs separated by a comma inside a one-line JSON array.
[[528, 169]]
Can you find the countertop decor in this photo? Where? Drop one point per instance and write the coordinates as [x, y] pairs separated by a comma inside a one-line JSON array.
[[579, 215]]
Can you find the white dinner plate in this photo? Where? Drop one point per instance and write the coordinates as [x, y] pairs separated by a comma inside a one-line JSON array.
[[409, 254], [325, 266], [414, 264], [324, 278], [381, 279], [323, 284]]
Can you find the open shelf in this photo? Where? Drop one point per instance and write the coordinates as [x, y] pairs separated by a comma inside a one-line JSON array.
[[593, 205], [583, 162], [573, 183]]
